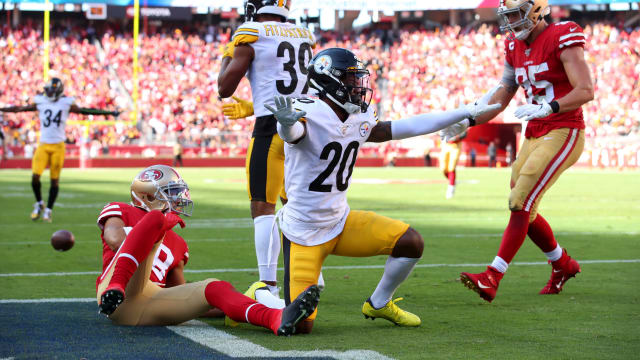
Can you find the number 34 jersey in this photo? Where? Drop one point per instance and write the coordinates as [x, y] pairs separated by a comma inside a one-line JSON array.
[[539, 70], [282, 53], [53, 118], [318, 172]]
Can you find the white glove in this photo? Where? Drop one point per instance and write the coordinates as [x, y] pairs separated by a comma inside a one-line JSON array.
[[481, 105], [286, 115], [454, 130], [531, 111]]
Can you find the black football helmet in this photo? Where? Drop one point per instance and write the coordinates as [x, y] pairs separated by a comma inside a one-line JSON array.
[[54, 89], [340, 76], [253, 8]]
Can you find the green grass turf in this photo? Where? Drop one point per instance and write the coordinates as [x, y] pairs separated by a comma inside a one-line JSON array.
[[594, 213]]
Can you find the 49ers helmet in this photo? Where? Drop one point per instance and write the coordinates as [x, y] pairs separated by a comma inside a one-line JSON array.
[[253, 8], [160, 187], [341, 77], [54, 88], [530, 14]]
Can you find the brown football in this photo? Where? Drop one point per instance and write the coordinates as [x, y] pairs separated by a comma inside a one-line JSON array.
[[62, 240]]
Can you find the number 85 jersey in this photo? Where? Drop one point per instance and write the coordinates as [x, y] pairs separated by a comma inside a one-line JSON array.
[[279, 67], [318, 171], [540, 72]]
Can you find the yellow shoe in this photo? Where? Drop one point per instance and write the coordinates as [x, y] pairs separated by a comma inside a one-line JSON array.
[[391, 312], [251, 292]]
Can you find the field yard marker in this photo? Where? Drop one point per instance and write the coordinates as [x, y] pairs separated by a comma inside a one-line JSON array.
[[51, 300], [233, 346], [335, 267], [467, 235]]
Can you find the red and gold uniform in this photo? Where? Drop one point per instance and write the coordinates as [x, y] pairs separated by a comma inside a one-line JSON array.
[[169, 254], [147, 301], [555, 142]]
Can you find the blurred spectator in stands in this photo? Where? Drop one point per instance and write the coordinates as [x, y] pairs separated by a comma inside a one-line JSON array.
[[510, 154], [472, 156], [177, 153], [492, 151]]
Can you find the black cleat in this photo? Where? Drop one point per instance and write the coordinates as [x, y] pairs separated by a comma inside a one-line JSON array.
[[298, 310], [110, 300]]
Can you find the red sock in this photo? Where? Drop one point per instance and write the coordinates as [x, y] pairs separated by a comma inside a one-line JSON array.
[[452, 177], [222, 295], [542, 235], [514, 235], [137, 246]]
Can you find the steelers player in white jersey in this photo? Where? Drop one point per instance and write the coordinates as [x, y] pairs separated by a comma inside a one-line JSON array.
[[323, 137], [53, 108], [274, 55]]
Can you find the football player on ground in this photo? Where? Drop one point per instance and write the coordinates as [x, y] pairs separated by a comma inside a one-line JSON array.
[[323, 137], [547, 61], [449, 155], [132, 235], [274, 55], [53, 108]]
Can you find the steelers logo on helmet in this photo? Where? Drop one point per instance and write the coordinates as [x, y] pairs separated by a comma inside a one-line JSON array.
[[160, 187], [338, 75], [322, 64]]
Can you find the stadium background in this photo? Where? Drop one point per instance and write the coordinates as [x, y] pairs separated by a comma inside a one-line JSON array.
[[424, 56]]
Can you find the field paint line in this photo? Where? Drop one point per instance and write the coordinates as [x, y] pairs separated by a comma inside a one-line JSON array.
[[426, 235], [335, 267], [49, 300], [236, 347]]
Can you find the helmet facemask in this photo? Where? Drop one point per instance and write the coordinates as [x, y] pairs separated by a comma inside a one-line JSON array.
[[177, 197], [348, 88], [53, 90], [160, 187], [522, 18]]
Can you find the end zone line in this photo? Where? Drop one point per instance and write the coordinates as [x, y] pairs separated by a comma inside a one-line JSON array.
[[336, 267], [236, 347]]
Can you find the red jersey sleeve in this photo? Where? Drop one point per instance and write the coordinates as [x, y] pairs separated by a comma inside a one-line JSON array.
[[185, 251], [111, 210], [569, 34]]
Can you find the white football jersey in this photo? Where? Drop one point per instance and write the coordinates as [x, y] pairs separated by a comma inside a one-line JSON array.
[[282, 54], [318, 171], [53, 118]]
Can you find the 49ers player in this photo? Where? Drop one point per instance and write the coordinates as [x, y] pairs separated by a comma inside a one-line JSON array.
[[132, 235], [547, 61]]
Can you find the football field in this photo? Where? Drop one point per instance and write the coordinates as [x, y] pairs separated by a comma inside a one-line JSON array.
[[47, 311]]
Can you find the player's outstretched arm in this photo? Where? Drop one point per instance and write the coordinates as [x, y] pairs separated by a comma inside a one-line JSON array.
[[290, 128], [429, 123], [233, 69], [238, 110], [580, 78], [503, 96], [15, 109], [90, 111]]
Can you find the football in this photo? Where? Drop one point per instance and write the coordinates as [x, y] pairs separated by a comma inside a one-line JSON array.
[[62, 240]]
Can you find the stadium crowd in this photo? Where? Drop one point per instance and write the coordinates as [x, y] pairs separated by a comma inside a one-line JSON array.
[[418, 71]]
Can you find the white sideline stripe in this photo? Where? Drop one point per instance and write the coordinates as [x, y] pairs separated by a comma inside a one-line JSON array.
[[51, 300], [338, 267], [426, 235], [233, 346]]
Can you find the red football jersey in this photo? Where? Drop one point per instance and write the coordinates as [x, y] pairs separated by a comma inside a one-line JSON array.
[[172, 250], [539, 70]]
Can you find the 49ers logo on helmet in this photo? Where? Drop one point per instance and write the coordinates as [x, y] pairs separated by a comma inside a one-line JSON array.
[[151, 175]]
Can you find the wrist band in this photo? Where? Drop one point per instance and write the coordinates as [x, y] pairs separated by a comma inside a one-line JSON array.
[[554, 106], [472, 122]]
